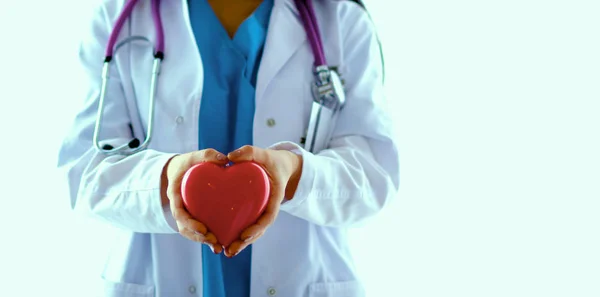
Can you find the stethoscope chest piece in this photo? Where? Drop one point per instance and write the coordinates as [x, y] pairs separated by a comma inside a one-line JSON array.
[[328, 100], [328, 88]]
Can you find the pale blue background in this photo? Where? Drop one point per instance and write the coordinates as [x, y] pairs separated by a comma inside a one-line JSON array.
[[498, 108]]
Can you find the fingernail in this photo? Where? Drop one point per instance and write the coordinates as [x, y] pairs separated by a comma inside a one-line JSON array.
[[248, 239], [198, 233], [220, 157], [212, 249]]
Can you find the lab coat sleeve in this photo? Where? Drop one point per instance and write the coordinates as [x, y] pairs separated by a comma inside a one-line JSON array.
[[123, 191], [358, 174]]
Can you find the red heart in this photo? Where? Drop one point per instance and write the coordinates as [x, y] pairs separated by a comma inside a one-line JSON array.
[[227, 199]]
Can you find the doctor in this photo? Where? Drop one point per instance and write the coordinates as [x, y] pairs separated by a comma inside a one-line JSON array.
[[234, 85]]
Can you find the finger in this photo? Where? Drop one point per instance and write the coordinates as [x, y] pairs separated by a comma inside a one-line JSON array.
[[252, 240], [207, 155], [217, 249], [251, 232], [192, 235], [183, 218], [233, 249], [208, 239], [227, 253], [247, 153], [238, 246], [211, 238], [214, 247], [196, 226]]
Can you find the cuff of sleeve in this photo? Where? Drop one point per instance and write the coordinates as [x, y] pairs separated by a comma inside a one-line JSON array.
[[168, 215], [305, 185], [165, 222]]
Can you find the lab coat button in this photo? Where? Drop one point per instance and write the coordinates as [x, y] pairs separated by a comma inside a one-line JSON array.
[[270, 122], [192, 289], [272, 292], [179, 119]]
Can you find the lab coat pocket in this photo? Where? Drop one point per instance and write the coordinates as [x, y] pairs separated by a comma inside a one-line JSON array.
[[118, 289], [337, 289]]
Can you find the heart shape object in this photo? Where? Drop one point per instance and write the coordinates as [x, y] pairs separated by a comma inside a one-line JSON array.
[[226, 199]]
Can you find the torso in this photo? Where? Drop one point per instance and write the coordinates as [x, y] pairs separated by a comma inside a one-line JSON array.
[[312, 260]]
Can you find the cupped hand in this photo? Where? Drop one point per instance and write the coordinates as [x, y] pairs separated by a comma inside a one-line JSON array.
[[283, 169], [172, 177]]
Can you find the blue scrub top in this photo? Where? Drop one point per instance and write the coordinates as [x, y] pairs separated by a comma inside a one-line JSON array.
[[226, 116]]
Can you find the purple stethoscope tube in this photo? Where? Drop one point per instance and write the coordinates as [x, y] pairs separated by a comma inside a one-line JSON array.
[[125, 14]]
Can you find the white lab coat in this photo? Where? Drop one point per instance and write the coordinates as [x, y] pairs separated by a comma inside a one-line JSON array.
[[305, 252]]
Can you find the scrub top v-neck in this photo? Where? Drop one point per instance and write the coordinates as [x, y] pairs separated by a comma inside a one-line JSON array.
[[226, 116]]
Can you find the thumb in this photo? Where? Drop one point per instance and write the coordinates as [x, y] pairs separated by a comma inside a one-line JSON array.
[[248, 153], [208, 155]]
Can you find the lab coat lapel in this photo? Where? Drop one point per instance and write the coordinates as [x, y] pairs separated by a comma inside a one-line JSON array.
[[284, 37]]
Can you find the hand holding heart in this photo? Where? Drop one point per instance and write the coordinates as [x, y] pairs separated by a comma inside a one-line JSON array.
[[283, 169], [207, 193], [172, 178]]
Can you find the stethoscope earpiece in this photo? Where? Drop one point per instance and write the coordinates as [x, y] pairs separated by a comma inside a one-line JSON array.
[[134, 143]]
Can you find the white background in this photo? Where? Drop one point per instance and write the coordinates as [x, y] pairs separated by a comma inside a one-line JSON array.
[[498, 106]]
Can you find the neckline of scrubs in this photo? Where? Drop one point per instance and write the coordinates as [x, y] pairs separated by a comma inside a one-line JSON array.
[[226, 116]]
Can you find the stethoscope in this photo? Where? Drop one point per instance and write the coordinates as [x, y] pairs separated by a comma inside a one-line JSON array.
[[328, 91]]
